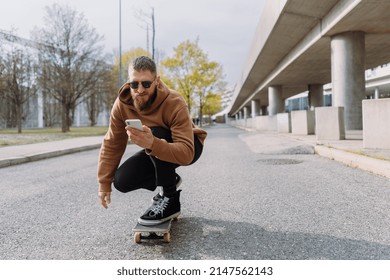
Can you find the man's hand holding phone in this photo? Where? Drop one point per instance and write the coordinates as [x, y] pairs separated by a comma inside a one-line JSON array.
[[134, 123], [139, 134]]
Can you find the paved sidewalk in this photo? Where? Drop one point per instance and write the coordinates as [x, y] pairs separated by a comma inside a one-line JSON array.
[[350, 152], [13, 155]]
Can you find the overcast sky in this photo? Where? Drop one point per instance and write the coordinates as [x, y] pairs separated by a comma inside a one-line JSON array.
[[225, 28]]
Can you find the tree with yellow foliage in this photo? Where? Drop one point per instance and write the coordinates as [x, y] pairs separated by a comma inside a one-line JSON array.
[[126, 58], [192, 74]]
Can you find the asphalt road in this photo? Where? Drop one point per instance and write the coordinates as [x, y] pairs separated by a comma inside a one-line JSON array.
[[236, 204]]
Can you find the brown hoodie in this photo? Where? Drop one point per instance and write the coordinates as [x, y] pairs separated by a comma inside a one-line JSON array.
[[169, 110]]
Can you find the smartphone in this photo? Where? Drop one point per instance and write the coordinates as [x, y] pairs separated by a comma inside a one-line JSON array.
[[135, 123]]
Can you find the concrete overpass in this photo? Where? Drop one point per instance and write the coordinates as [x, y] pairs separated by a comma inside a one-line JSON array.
[[304, 44]]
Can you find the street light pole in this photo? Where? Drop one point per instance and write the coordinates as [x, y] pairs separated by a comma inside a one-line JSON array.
[[120, 43]]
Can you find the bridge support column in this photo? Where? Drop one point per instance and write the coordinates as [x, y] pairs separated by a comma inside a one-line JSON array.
[[275, 100], [348, 80], [376, 93], [245, 109], [255, 108]]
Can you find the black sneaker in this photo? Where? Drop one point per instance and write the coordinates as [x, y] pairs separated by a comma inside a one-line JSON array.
[[165, 209], [160, 195]]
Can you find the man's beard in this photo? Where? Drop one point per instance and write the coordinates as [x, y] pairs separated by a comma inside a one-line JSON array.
[[140, 105]]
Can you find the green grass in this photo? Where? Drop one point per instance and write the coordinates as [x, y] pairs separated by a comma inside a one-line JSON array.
[[12, 137]]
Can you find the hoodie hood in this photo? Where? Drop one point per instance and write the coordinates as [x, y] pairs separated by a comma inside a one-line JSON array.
[[125, 97]]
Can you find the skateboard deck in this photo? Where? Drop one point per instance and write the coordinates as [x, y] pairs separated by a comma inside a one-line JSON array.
[[160, 231]]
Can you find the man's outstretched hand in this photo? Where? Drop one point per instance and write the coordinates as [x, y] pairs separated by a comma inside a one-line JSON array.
[[105, 198]]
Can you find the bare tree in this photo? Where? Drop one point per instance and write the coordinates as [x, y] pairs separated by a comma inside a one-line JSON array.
[[3, 99], [4, 106], [95, 99], [18, 79], [70, 56]]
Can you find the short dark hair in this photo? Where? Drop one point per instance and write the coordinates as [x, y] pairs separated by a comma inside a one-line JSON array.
[[143, 63]]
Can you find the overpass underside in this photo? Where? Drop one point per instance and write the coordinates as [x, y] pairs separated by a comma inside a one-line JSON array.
[[300, 45]]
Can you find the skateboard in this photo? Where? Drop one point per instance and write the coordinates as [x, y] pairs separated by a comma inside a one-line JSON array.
[[160, 231]]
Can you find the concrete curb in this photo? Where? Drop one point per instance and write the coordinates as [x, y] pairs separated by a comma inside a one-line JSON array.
[[376, 166], [45, 155], [348, 155]]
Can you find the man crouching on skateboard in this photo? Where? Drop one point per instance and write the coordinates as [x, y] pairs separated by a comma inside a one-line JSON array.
[[169, 139]]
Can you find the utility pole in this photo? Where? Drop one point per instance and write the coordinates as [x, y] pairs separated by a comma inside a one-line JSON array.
[[149, 21], [147, 38], [154, 33], [120, 44]]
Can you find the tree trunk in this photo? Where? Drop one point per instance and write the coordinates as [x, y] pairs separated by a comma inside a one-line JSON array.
[[93, 110], [200, 112], [65, 118], [19, 117]]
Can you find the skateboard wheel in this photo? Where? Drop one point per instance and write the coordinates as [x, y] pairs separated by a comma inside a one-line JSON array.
[[137, 237], [167, 237]]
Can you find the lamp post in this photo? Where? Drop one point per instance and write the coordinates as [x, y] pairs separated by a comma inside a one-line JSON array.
[[120, 43]]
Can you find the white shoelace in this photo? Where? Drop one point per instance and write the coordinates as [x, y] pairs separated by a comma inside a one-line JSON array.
[[159, 207]]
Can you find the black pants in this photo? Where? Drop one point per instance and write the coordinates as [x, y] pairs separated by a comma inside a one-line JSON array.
[[148, 172]]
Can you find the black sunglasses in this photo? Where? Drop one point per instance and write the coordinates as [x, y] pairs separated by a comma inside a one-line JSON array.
[[145, 84]]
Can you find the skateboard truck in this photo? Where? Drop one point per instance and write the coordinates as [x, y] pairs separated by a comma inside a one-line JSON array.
[[160, 231], [138, 237]]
